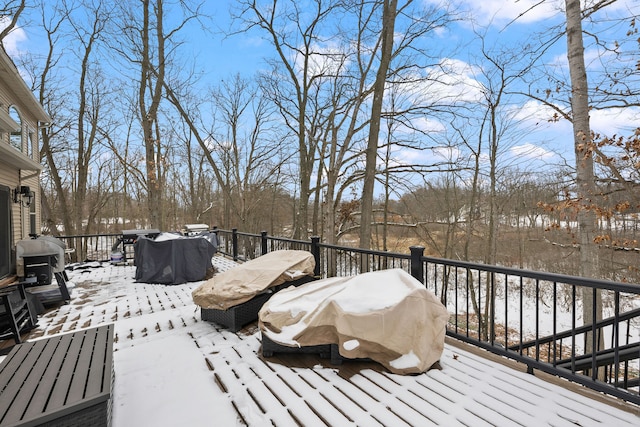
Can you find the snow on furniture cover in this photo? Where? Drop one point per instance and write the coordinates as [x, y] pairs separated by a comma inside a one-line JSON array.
[[387, 316], [241, 283]]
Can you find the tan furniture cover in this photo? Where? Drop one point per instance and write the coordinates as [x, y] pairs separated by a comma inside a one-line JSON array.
[[241, 283], [387, 316]]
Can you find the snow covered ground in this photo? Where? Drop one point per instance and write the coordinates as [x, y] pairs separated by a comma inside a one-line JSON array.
[[172, 369]]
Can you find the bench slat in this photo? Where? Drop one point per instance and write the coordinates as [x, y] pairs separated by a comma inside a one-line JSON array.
[[67, 372], [11, 363], [55, 378], [84, 371], [43, 391], [100, 363], [108, 374], [16, 385]]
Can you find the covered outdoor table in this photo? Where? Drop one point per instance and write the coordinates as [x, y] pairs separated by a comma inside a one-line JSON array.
[[387, 316], [173, 260]]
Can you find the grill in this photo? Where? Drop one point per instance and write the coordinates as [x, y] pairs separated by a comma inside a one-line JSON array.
[[40, 258], [195, 229], [129, 237]]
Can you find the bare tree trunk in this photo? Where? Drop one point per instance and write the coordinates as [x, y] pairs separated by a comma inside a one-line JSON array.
[[585, 178], [388, 24], [149, 114]]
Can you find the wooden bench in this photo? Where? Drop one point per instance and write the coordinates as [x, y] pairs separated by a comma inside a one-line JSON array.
[[64, 380]]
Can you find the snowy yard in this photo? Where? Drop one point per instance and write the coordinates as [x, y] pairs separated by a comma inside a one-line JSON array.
[[173, 369]]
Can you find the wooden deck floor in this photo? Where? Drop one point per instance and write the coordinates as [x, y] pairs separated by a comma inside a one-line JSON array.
[[299, 389]]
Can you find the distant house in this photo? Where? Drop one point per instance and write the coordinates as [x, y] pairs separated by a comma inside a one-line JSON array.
[[21, 116]]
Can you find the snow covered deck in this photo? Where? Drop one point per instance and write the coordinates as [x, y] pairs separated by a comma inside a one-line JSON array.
[[171, 369]]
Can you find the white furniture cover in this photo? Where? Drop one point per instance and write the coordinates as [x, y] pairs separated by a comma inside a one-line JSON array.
[[241, 283], [387, 316]]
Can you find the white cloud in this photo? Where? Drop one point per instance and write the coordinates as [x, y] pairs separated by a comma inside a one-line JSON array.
[[426, 124], [501, 12], [451, 81], [534, 113], [446, 153], [323, 60], [531, 151], [422, 124], [614, 122], [13, 39], [526, 11]]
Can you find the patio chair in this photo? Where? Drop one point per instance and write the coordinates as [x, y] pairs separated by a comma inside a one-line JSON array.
[[16, 315], [234, 297]]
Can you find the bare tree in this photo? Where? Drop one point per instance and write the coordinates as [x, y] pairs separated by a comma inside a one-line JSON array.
[[46, 85], [389, 13], [290, 84], [91, 105], [151, 48], [12, 9], [585, 177], [247, 150]]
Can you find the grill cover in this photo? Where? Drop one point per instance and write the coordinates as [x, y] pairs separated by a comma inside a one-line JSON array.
[[43, 245], [174, 261]]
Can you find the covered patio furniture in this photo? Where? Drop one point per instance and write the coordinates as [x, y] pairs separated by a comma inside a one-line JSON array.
[[173, 259], [234, 297], [386, 316]]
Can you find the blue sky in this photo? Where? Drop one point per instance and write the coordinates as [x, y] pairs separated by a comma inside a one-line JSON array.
[[509, 22], [219, 57]]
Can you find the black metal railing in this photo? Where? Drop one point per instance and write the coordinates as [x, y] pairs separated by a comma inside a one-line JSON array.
[[91, 247], [584, 330]]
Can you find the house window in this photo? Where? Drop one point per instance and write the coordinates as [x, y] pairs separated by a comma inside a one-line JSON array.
[[15, 138], [5, 231]]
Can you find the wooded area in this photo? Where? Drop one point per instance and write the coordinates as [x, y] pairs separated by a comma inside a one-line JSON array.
[[361, 123]]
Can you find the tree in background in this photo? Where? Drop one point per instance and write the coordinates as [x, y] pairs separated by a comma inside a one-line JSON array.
[[11, 9], [321, 83], [151, 48], [290, 84], [70, 145], [389, 13], [585, 178]]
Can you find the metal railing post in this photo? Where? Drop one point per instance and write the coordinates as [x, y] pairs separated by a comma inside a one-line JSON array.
[[263, 242], [416, 262], [234, 243], [315, 250]]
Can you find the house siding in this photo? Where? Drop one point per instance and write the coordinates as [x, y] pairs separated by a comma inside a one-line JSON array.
[[13, 92]]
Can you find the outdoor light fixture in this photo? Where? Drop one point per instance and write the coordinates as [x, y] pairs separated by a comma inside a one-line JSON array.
[[23, 195]]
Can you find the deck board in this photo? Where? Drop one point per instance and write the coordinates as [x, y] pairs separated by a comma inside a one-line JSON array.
[[301, 389]]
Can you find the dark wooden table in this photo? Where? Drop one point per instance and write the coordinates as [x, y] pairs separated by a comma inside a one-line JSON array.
[[63, 380]]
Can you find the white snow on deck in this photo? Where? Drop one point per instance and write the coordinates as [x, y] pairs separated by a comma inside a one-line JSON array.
[[173, 369]]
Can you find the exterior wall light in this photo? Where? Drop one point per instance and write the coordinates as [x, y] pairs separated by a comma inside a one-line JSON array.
[[23, 195]]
